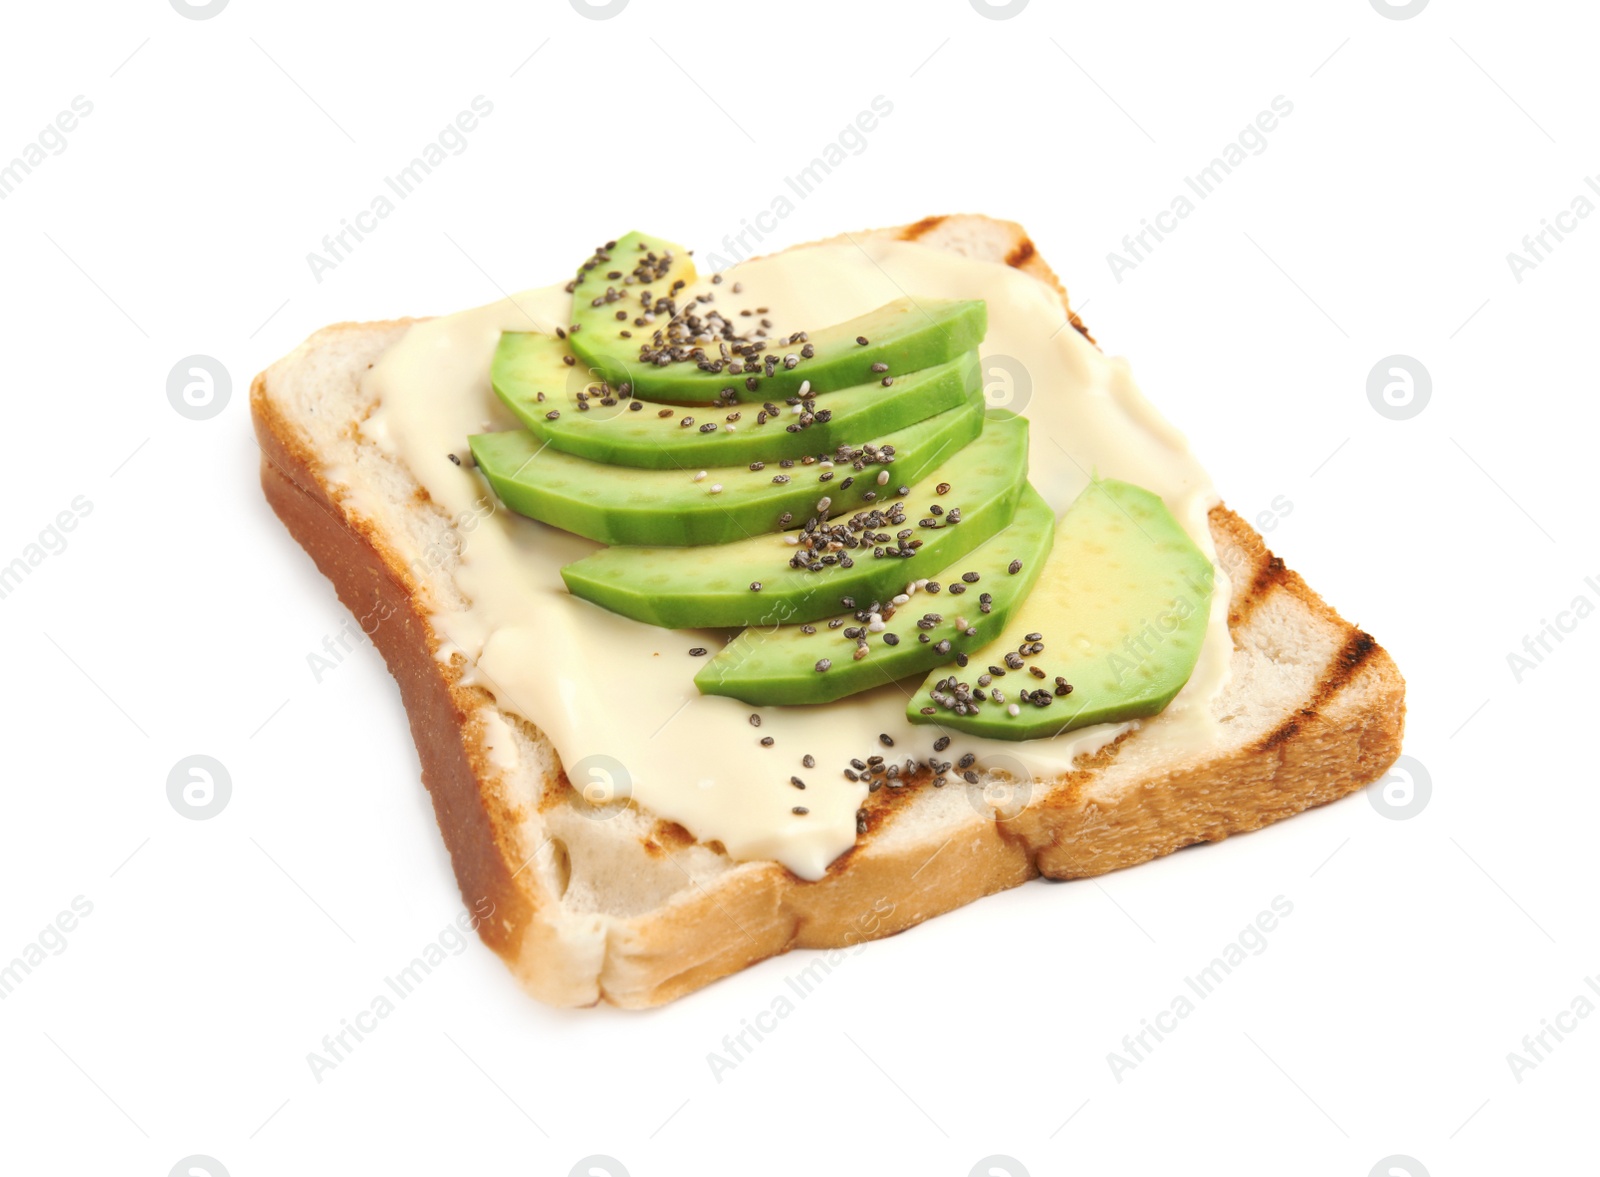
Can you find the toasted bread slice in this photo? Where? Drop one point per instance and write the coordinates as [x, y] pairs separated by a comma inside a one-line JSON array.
[[613, 905]]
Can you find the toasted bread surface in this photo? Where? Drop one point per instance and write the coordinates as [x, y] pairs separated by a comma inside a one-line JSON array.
[[613, 905]]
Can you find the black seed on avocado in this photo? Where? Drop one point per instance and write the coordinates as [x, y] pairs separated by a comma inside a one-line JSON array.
[[697, 652], [824, 665], [799, 811], [553, 415], [1015, 567], [891, 639], [941, 743], [808, 761], [885, 739], [862, 340], [766, 741], [797, 782], [755, 586]]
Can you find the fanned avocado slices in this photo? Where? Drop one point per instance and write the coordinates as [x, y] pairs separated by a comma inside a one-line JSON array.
[[966, 499], [623, 505], [571, 407], [1111, 632], [881, 641], [632, 324]]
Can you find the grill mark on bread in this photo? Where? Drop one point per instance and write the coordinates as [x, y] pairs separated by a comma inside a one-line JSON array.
[[1357, 648], [925, 225], [1019, 256], [879, 809], [1269, 575], [671, 834]]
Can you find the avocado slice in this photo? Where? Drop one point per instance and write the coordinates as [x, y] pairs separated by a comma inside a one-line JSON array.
[[688, 588], [574, 410], [622, 505], [661, 339], [1118, 615], [818, 664]]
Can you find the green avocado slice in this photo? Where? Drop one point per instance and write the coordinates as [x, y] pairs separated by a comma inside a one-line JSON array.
[[640, 275], [531, 375], [673, 508], [785, 664], [690, 588], [1119, 615]]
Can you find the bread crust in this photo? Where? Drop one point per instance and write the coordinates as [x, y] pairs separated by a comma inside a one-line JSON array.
[[1344, 733]]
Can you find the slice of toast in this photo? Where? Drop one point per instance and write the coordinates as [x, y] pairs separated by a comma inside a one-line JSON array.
[[612, 904]]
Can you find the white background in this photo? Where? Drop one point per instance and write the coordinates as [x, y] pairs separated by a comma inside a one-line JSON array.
[[1377, 221]]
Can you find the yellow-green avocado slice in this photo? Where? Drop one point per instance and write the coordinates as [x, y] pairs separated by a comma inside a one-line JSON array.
[[672, 508], [1120, 612], [572, 408], [692, 588], [643, 278], [788, 664]]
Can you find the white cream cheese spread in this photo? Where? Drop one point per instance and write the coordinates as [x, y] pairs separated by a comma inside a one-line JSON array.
[[615, 692]]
